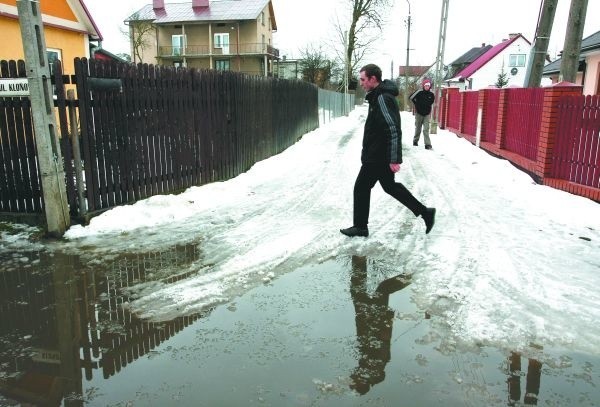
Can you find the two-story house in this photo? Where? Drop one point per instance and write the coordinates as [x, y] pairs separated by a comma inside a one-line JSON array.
[[69, 31], [508, 57], [231, 35]]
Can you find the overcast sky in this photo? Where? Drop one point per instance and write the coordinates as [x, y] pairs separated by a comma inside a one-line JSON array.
[[470, 23]]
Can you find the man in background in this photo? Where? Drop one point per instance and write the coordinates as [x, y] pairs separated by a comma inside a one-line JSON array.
[[423, 100]]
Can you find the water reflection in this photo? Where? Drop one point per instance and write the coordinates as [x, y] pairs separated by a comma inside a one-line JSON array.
[[374, 321], [532, 381], [61, 318]]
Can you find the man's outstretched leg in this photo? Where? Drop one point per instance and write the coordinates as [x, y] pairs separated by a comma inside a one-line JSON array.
[[406, 198]]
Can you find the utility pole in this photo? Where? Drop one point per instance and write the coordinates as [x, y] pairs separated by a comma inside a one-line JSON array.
[[42, 107], [439, 65], [346, 68], [537, 55], [570, 57], [407, 61]]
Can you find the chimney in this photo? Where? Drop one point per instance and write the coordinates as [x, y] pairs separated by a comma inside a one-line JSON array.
[[158, 4], [200, 3]]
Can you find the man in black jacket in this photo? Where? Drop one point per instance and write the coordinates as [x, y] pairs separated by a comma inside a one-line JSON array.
[[381, 154], [423, 100]]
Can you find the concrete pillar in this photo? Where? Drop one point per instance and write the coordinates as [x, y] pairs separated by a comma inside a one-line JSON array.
[[44, 122]]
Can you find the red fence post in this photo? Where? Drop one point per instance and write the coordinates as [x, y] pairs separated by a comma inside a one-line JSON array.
[[443, 103], [461, 115], [548, 127], [482, 114], [502, 117]]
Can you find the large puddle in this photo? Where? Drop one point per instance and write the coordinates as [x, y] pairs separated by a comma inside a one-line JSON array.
[[345, 332]]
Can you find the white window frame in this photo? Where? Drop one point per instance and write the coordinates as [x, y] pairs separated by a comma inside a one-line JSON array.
[[56, 51], [178, 43], [225, 62], [517, 60], [221, 40]]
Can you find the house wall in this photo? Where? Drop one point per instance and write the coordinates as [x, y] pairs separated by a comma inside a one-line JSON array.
[[264, 28], [148, 53], [487, 75], [55, 8], [592, 75], [71, 44]]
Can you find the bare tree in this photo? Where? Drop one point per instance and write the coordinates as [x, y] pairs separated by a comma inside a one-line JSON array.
[[138, 35], [366, 21], [317, 67]]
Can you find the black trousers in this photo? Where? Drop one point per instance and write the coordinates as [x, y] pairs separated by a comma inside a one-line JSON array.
[[367, 177]]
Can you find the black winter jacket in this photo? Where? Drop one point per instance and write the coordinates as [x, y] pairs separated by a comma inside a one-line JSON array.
[[423, 99], [382, 139]]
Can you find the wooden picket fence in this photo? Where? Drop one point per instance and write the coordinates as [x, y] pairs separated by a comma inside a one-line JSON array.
[[139, 130], [19, 176]]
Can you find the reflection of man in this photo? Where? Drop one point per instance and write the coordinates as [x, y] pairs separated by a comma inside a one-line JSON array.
[[374, 321], [532, 384]]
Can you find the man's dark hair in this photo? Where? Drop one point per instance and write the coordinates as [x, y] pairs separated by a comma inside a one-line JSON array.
[[372, 70]]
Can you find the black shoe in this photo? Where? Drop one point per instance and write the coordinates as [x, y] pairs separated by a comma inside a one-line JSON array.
[[429, 218], [428, 147], [355, 231], [415, 143]]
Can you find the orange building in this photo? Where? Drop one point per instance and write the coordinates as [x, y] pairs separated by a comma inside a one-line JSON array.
[[68, 29]]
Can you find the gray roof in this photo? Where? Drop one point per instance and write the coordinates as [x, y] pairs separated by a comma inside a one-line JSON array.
[[587, 44], [591, 42], [471, 55], [219, 10]]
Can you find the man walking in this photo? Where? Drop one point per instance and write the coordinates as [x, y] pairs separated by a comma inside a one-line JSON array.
[[381, 154], [423, 100]]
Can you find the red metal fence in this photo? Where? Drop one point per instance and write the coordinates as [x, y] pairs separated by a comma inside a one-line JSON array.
[[454, 106], [524, 110], [551, 132], [576, 155], [470, 112], [490, 118]]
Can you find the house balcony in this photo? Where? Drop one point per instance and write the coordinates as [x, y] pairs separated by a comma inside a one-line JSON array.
[[191, 51]]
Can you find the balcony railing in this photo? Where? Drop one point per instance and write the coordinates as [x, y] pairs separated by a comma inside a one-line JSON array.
[[205, 50]]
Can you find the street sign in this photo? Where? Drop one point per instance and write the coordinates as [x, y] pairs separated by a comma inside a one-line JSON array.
[[46, 356], [12, 87]]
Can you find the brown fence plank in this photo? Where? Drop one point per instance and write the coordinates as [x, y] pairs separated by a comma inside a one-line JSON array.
[[65, 139], [14, 125], [7, 191], [87, 134]]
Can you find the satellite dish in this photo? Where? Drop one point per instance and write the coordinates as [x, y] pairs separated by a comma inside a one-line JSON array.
[[514, 71]]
